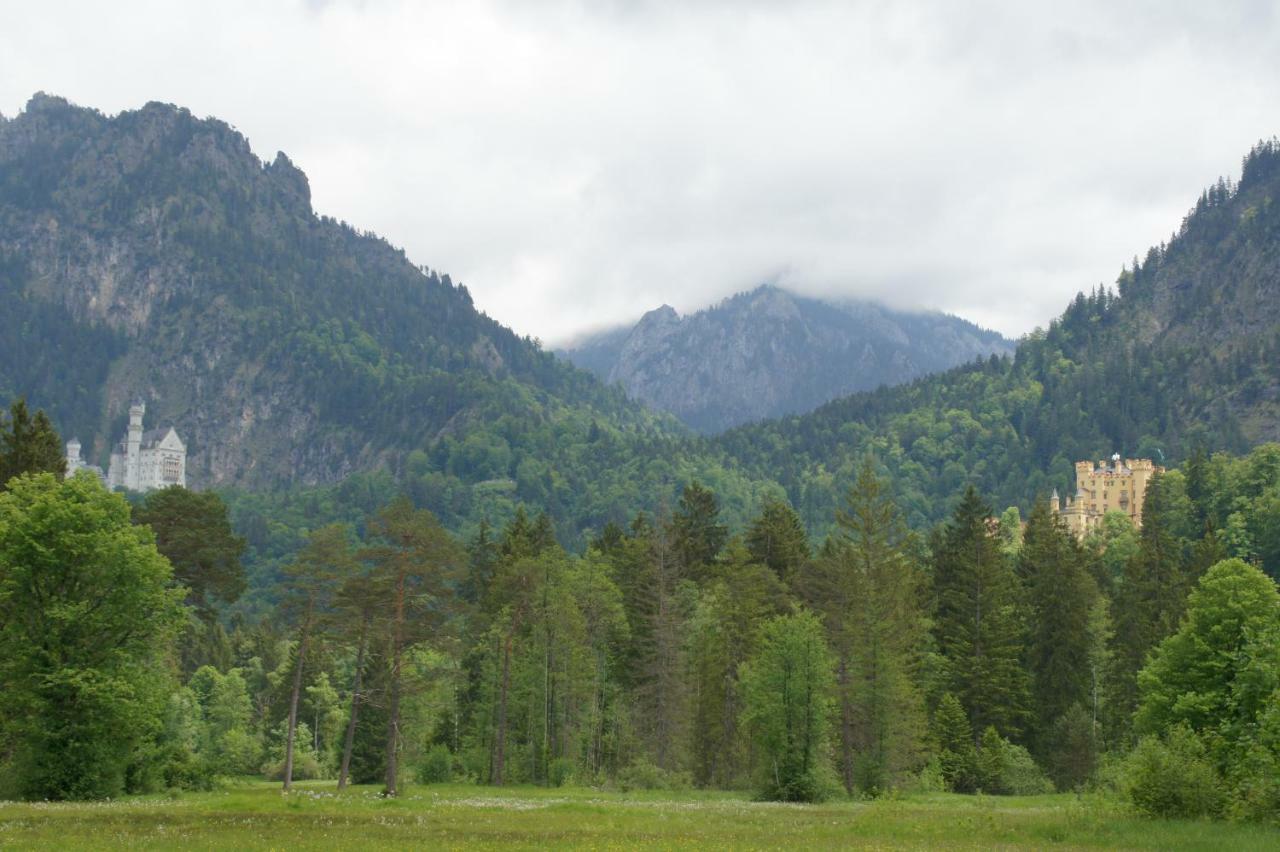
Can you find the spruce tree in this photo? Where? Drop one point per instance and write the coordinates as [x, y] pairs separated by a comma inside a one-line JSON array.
[[979, 623], [28, 444], [696, 529], [777, 539], [1150, 598], [953, 736], [870, 592], [1062, 596]]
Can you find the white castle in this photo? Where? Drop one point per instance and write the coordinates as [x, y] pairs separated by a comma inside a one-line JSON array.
[[142, 461]]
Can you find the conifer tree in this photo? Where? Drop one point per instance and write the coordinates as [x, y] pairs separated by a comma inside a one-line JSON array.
[[697, 531], [28, 444], [1062, 596], [870, 591], [777, 539], [357, 605], [979, 622], [953, 736], [1150, 599], [193, 530], [415, 566]]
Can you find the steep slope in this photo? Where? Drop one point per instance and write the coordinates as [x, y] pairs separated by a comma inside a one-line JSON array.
[[152, 255], [768, 353], [1185, 352]]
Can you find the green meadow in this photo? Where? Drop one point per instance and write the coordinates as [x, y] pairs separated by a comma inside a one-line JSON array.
[[256, 815]]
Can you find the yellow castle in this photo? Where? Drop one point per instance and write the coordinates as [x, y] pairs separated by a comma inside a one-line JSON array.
[[1101, 487]]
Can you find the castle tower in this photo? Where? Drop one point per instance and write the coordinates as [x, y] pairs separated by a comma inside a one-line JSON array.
[[74, 462], [133, 446]]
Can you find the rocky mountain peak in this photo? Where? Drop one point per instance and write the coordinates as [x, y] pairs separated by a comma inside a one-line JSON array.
[[768, 352]]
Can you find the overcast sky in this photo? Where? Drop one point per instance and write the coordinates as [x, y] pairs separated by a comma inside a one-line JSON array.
[[575, 164]]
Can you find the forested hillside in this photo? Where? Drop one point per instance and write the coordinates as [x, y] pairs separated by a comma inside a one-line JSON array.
[[151, 254], [769, 352], [1185, 351], [316, 372]]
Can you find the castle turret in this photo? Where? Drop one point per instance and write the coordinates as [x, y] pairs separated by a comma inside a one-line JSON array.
[[1055, 502], [74, 462], [133, 446]]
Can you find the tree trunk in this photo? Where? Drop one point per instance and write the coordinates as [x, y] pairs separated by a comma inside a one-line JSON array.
[[349, 743], [393, 702], [501, 744], [293, 706]]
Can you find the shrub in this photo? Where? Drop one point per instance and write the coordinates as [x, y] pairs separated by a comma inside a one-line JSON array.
[[1003, 768], [436, 766], [559, 772], [1019, 775], [1172, 777], [306, 765], [641, 774]]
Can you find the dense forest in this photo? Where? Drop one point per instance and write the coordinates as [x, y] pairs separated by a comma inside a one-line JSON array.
[[434, 551], [987, 655]]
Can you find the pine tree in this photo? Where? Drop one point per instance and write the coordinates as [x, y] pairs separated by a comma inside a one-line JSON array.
[[415, 568], [979, 624], [193, 530]]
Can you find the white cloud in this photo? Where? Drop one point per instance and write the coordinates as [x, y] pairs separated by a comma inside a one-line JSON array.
[[576, 164]]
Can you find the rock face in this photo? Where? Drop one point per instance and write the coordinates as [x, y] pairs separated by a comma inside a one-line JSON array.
[[151, 255], [768, 353]]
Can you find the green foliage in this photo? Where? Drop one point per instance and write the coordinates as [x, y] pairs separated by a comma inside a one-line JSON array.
[[1231, 625], [1172, 776], [306, 763], [979, 623], [642, 774], [437, 766], [28, 444], [86, 624], [954, 739], [1074, 748], [788, 687], [777, 539], [870, 591], [698, 533], [1062, 597], [193, 531]]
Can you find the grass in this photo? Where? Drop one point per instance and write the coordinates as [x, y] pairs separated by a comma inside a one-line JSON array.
[[255, 815]]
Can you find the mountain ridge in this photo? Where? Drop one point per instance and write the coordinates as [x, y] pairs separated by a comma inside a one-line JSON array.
[[768, 352], [287, 347]]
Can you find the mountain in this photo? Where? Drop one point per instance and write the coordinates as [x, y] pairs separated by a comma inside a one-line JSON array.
[[768, 353], [152, 255], [1183, 354], [315, 371]]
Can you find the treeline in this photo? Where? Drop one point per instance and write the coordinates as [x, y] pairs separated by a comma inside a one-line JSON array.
[[988, 655]]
